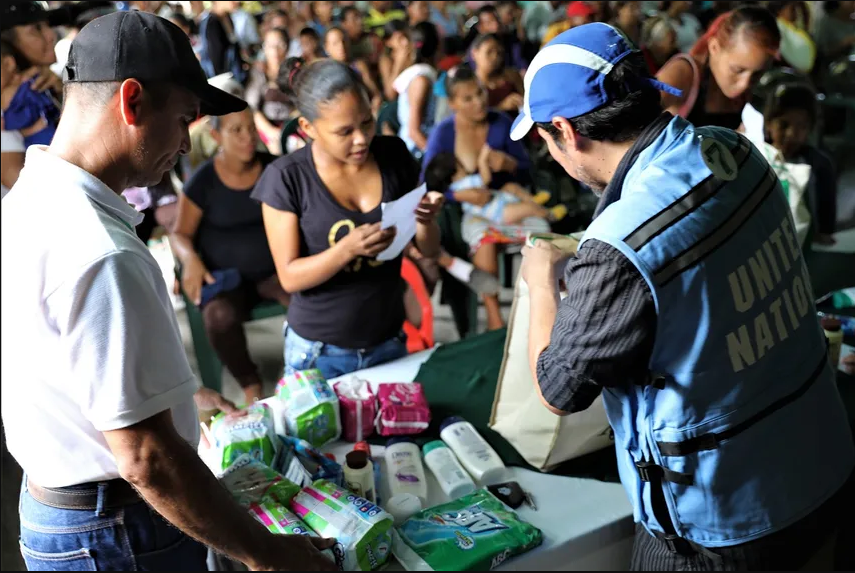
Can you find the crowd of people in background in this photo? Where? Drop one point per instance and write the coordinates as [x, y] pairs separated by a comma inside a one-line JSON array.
[[444, 77]]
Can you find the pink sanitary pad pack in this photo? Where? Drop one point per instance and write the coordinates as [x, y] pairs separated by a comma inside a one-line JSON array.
[[403, 410], [358, 409]]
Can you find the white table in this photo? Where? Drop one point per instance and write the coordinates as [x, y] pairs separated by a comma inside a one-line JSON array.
[[586, 524]]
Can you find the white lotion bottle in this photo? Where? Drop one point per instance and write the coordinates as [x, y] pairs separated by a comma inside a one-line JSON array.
[[475, 454], [404, 469], [452, 478]]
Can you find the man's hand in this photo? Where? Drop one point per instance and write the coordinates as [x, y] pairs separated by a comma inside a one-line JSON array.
[[297, 553], [541, 262], [429, 207], [207, 399]]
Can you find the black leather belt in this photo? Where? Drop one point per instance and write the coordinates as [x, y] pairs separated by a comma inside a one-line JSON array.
[[116, 493]]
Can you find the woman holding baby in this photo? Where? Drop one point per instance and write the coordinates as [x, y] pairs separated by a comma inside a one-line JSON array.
[[479, 140]]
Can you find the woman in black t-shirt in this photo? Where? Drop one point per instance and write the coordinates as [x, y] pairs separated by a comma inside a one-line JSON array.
[[322, 211], [221, 246]]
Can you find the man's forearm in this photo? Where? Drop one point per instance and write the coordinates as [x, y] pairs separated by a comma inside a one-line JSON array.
[[176, 483], [543, 310]]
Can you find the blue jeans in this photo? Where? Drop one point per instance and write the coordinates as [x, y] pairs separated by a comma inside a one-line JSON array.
[[131, 538], [332, 361]]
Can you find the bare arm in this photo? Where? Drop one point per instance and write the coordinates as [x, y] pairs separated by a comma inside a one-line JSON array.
[[169, 475], [298, 273], [193, 271], [368, 79], [484, 166], [418, 95], [271, 132], [186, 224], [10, 167], [544, 309], [678, 74], [387, 76]]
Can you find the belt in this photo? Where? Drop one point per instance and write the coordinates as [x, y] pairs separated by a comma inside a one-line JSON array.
[[111, 495]]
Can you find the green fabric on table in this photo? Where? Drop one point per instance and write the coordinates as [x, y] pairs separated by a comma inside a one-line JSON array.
[[459, 379]]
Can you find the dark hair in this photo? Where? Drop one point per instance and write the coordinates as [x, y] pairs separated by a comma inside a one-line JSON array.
[[393, 26], [287, 71], [632, 106], [487, 8], [309, 31], [177, 17], [425, 40], [347, 11], [457, 75], [320, 82], [756, 21], [439, 173], [484, 38], [791, 95]]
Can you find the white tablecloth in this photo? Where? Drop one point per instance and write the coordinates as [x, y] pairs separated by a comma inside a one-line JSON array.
[[586, 524]]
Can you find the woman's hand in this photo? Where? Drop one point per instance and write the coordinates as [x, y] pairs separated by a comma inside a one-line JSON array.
[[429, 207], [501, 161], [513, 102], [367, 241], [45, 79], [192, 277]]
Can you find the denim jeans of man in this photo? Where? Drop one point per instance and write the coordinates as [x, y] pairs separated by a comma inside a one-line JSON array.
[[130, 538], [332, 361]]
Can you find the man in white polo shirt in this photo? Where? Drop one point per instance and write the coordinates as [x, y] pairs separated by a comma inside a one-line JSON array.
[[97, 395]]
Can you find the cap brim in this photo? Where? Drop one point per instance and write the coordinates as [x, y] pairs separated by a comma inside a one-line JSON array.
[[522, 125], [217, 102]]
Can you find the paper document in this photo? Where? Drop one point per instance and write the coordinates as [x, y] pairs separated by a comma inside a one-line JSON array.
[[401, 214], [754, 125], [845, 243]]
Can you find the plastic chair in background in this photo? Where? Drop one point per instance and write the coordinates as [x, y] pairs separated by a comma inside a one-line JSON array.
[[418, 338]]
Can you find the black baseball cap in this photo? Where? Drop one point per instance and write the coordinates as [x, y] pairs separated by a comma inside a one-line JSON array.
[[145, 47]]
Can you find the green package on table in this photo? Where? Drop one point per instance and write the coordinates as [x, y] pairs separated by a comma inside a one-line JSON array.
[[474, 533], [278, 520], [311, 407], [250, 434], [363, 530]]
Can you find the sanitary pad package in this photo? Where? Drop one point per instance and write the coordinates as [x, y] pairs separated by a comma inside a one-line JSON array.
[[251, 432], [358, 409], [311, 407], [404, 409], [250, 481], [280, 521], [363, 530], [474, 533]]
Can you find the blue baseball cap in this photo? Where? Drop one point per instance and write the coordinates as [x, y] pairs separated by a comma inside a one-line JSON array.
[[565, 78]]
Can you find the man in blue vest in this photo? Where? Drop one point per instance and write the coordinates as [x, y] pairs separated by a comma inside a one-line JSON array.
[[689, 308]]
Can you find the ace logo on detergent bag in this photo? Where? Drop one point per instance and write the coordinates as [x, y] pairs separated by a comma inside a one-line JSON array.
[[475, 522]]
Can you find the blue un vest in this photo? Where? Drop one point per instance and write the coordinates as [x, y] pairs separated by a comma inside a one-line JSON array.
[[741, 428]]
